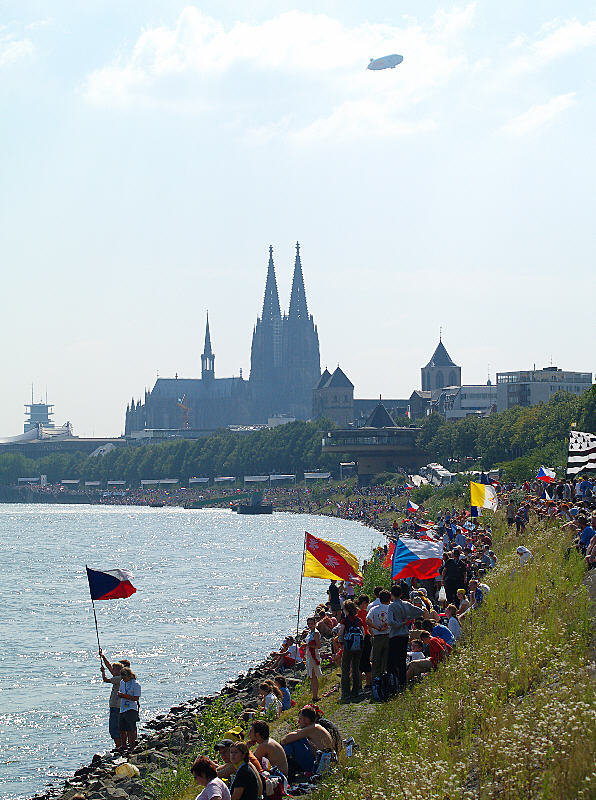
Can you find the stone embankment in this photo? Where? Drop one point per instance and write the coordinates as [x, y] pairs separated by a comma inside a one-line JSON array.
[[161, 743], [169, 736]]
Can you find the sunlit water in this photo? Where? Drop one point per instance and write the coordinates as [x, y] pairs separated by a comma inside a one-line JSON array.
[[216, 592]]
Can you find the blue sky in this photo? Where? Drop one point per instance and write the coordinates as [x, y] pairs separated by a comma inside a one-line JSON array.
[[151, 151]]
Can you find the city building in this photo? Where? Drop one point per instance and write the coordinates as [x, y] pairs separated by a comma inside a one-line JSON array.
[[457, 402], [440, 371], [333, 398], [378, 446], [285, 365], [530, 387]]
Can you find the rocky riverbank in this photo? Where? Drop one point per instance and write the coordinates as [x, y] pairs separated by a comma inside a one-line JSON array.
[[162, 741], [169, 736]]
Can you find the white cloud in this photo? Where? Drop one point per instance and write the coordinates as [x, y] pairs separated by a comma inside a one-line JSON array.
[[555, 40], [539, 115], [296, 66], [13, 49]]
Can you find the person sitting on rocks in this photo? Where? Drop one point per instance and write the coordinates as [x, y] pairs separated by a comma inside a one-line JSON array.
[[271, 698], [301, 746], [288, 656], [246, 783], [204, 771], [282, 685], [267, 747]]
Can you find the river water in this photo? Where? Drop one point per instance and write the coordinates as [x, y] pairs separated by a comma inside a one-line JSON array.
[[216, 592]]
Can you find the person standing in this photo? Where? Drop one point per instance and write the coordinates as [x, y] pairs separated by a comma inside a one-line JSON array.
[[333, 593], [351, 635], [399, 614], [129, 694], [313, 658], [114, 681], [376, 622]]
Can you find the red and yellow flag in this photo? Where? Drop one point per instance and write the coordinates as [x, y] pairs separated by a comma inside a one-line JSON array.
[[330, 560]]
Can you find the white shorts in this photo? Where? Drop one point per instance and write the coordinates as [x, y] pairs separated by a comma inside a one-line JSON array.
[[312, 668]]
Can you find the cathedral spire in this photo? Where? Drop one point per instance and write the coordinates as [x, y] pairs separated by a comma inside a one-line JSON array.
[[271, 310], [298, 307], [207, 358], [207, 351]]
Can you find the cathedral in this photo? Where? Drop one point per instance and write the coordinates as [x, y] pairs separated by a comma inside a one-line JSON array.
[[284, 368]]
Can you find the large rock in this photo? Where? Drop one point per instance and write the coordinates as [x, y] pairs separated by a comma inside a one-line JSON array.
[[112, 793]]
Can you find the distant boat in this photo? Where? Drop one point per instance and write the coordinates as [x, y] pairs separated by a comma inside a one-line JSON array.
[[386, 62], [256, 506]]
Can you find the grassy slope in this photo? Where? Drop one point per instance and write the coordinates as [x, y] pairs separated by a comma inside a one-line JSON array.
[[511, 715]]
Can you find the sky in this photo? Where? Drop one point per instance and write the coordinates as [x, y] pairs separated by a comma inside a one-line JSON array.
[[151, 151]]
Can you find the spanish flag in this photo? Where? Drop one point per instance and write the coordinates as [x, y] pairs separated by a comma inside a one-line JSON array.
[[483, 496], [329, 560]]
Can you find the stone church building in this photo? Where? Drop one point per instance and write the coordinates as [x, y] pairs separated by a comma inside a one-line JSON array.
[[285, 365]]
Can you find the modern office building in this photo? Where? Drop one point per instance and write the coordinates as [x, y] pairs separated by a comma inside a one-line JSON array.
[[533, 386]]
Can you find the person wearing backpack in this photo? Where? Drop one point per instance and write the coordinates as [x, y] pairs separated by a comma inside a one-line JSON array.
[[351, 636]]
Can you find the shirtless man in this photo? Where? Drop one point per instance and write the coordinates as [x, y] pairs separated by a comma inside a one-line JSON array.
[[266, 747], [300, 746]]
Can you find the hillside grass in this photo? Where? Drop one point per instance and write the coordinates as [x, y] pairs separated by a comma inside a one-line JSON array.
[[511, 715]]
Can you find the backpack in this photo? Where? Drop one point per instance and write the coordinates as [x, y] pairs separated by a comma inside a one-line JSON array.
[[383, 687], [353, 636]]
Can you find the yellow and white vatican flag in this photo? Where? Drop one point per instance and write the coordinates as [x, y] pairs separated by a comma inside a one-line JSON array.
[[482, 495]]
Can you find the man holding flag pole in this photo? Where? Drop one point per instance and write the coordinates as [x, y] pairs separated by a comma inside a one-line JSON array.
[[111, 585]]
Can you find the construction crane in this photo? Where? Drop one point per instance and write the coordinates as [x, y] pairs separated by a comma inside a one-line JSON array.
[[182, 405]]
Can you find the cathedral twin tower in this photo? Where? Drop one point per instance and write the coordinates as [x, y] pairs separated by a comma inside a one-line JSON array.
[[284, 368], [284, 359]]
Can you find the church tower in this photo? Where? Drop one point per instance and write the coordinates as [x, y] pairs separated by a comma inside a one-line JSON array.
[[300, 349], [207, 357], [441, 370], [265, 354]]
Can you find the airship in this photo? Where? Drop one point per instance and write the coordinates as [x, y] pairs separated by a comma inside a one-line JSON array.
[[386, 62]]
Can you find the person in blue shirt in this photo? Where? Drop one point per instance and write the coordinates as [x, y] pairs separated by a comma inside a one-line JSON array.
[[439, 630], [586, 534], [286, 700]]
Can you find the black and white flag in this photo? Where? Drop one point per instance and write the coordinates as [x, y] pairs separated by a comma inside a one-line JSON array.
[[582, 452]]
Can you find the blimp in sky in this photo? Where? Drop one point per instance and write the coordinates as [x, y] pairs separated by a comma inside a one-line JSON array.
[[386, 62]]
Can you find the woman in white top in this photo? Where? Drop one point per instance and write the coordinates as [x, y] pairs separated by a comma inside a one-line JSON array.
[[271, 698], [313, 658], [452, 621], [204, 772]]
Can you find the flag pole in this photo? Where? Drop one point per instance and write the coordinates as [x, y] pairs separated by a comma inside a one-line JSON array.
[[94, 617], [300, 590]]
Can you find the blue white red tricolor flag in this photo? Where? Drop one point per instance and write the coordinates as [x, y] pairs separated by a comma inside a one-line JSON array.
[[416, 558], [546, 475], [412, 508], [112, 584]]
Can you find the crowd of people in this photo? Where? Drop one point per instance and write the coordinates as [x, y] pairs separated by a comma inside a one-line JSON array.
[[401, 633]]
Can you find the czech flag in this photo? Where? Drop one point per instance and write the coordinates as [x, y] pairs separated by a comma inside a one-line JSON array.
[[110, 585], [415, 558], [546, 475], [412, 508], [323, 559]]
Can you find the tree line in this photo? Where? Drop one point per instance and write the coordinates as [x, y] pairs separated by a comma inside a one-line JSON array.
[[518, 440], [291, 449]]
